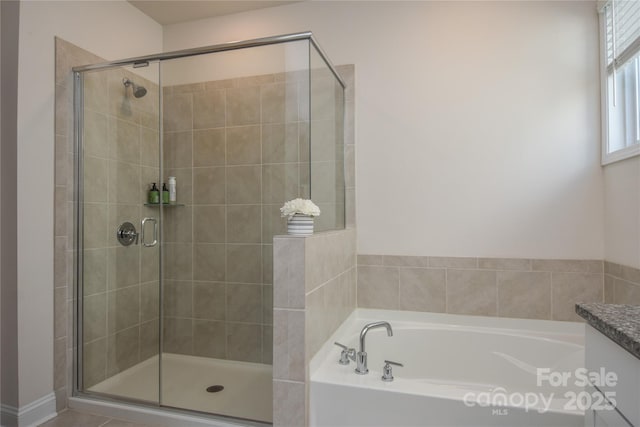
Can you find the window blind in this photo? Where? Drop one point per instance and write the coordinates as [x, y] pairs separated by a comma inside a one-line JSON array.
[[622, 19]]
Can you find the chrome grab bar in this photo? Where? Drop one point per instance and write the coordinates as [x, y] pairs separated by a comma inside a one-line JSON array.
[[155, 232]]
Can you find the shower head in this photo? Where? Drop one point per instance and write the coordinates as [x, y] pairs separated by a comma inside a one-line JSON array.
[[138, 91]]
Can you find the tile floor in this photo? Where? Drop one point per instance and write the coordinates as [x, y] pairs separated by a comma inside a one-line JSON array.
[[71, 418]]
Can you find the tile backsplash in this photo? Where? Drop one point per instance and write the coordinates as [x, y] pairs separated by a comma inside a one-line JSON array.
[[621, 284], [504, 287]]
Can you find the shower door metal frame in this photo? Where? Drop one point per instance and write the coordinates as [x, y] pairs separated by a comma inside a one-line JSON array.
[[143, 61]]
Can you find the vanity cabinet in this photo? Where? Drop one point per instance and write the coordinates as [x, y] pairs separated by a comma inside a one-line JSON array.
[[604, 355]]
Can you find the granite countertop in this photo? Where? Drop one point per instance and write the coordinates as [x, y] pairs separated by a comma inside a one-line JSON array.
[[621, 323]]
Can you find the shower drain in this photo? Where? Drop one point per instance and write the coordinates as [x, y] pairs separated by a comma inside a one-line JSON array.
[[215, 388]]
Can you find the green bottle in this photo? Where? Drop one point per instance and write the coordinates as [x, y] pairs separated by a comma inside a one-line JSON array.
[[165, 194], [154, 195]]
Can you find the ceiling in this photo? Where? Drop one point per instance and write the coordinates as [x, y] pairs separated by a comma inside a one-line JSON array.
[[174, 11]]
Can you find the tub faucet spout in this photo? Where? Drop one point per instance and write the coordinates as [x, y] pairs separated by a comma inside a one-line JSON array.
[[361, 359]]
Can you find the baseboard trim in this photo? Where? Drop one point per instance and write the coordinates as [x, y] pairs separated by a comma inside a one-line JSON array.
[[31, 414]]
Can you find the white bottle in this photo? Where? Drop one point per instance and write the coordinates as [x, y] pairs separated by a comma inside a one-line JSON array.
[[172, 189]]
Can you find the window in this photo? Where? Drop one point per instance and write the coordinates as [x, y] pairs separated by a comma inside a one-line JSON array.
[[621, 31]]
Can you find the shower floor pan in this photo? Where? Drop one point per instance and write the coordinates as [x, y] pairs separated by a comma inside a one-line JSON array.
[[247, 386]]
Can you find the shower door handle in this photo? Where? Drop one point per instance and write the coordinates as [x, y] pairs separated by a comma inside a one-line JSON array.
[[155, 232]]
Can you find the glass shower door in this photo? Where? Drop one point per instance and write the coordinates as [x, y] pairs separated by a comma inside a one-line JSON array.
[[119, 268]]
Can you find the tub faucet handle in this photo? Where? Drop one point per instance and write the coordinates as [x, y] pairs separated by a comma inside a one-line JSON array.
[[346, 354], [387, 371]]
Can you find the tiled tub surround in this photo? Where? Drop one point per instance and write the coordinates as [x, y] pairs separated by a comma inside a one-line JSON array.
[[621, 284], [314, 292], [504, 287]]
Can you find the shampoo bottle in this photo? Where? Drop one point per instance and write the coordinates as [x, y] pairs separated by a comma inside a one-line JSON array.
[[154, 194], [165, 194], [172, 190]]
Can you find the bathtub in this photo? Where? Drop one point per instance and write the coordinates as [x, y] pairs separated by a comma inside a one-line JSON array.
[[458, 371]]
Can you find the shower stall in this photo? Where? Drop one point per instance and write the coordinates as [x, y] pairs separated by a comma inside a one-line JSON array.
[[174, 301]]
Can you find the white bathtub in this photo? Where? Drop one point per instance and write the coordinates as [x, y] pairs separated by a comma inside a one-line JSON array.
[[458, 371]]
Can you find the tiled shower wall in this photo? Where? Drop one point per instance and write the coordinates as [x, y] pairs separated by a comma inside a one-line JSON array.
[[120, 283], [505, 287], [239, 150]]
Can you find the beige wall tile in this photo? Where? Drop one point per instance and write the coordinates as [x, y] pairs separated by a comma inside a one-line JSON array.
[[96, 173], [209, 300], [178, 225], [316, 329], [422, 289], [273, 224], [149, 147], [288, 345], [209, 147], [209, 339], [267, 304], [180, 259], [60, 363], [244, 224], [568, 266], [95, 141], [279, 183], [243, 145], [267, 344], [626, 292], [630, 274], [95, 224], [243, 185], [289, 404], [208, 186], [450, 262], [94, 355], [243, 106], [95, 271], [378, 287], [609, 292], [123, 266], [150, 264], [471, 292], [244, 303], [124, 309], [178, 335], [369, 259], [244, 263], [149, 339], [149, 301], [209, 262], [178, 112], [123, 350], [178, 149], [178, 298], [209, 109], [244, 342], [405, 261], [504, 264], [124, 141], [612, 268], [124, 183], [279, 102], [571, 288], [280, 143], [289, 272], [209, 224], [524, 294], [94, 317]]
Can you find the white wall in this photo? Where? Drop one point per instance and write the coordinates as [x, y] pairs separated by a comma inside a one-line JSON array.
[[477, 123], [622, 214], [111, 29]]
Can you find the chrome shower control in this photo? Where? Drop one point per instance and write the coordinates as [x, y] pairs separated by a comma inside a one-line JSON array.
[[346, 354], [387, 370], [127, 234]]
